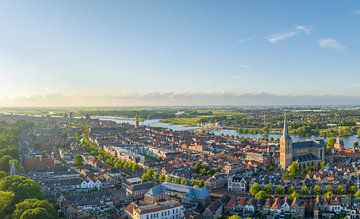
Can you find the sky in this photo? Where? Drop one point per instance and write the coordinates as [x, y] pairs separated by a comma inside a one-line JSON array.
[[204, 52]]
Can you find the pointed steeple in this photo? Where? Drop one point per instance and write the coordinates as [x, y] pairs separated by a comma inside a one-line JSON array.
[[285, 133]]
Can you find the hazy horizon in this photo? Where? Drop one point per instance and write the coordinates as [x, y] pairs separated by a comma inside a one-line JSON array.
[[179, 53]]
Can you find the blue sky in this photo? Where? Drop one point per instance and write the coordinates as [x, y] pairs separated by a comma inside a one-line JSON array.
[[128, 48]]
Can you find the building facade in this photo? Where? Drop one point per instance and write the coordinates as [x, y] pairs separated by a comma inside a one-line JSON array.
[[306, 153]]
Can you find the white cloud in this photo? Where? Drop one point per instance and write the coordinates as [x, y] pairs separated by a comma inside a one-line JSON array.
[[275, 38], [245, 39], [355, 12], [303, 28], [281, 36], [330, 43]]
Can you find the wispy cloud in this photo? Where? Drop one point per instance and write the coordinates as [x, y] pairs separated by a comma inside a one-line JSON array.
[[245, 39], [275, 38], [281, 36], [355, 12], [303, 28], [330, 43]]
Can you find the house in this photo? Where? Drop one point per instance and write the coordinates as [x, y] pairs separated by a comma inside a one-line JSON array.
[[237, 184], [169, 209], [138, 191], [297, 209], [91, 184], [38, 164], [216, 208], [182, 193], [216, 181]]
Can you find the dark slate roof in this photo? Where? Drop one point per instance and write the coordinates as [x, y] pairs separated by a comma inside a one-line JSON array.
[[146, 185], [308, 144], [306, 157]]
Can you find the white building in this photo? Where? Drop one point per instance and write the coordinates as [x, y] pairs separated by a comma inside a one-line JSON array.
[[91, 184], [237, 184], [162, 210]]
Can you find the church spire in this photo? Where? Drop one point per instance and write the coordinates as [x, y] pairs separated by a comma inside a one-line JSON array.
[[285, 133]]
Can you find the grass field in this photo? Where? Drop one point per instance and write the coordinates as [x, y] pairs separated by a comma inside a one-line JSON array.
[[182, 121]]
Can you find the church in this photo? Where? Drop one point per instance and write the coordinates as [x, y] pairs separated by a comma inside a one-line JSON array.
[[306, 153]]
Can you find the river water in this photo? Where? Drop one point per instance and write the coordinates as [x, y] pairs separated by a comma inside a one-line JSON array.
[[348, 141]]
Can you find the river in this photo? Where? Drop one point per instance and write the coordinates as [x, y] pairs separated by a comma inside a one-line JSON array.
[[348, 141]]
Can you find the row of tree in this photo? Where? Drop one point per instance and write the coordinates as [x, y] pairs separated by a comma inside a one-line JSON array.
[[113, 161], [263, 192], [150, 175]]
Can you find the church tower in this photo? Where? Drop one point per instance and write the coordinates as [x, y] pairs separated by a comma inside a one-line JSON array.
[[286, 152], [136, 123]]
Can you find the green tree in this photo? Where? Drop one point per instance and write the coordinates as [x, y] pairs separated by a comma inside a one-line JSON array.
[[162, 178], [78, 160], [183, 181], [356, 144], [316, 190], [330, 143], [357, 194], [176, 180], [268, 189], [4, 163], [323, 164], [134, 167], [352, 189], [290, 190], [36, 213], [155, 176], [328, 195], [167, 178], [304, 190], [234, 217], [145, 177], [22, 187], [2, 174], [261, 195], [255, 188], [293, 195], [294, 169], [340, 190], [6, 200], [328, 188], [280, 190], [201, 183], [197, 167], [21, 207]]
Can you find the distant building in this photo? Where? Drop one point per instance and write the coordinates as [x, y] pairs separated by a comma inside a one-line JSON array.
[[137, 123], [339, 144], [12, 169], [306, 153]]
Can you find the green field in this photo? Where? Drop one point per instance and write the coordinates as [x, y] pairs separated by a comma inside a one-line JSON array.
[[182, 121]]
